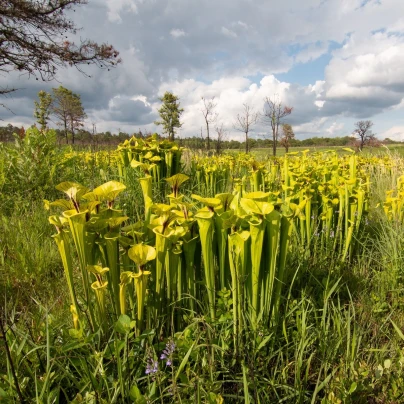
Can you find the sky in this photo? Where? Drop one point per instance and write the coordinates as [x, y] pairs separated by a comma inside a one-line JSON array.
[[334, 61]]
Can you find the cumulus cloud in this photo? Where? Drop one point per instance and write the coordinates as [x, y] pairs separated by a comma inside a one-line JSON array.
[[231, 93], [394, 133], [116, 7], [234, 50], [228, 32], [311, 52], [334, 128], [177, 33]]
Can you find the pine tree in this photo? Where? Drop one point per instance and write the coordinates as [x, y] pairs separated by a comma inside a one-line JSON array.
[[67, 108], [170, 113]]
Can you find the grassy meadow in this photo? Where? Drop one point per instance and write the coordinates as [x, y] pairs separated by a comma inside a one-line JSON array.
[[154, 274]]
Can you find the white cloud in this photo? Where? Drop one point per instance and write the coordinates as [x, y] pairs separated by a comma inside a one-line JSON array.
[[228, 32], [230, 94], [115, 7], [335, 129], [177, 33], [368, 68], [241, 24], [311, 52], [394, 133]]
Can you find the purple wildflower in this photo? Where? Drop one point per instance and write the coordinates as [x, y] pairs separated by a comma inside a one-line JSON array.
[[168, 352], [152, 366]]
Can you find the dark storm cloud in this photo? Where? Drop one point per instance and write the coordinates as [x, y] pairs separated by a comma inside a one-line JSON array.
[[129, 111]]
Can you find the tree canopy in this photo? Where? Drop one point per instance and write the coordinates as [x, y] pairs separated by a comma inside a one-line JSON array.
[[67, 108], [34, 39]]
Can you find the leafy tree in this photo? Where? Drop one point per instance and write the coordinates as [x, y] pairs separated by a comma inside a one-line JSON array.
[[210, 116], [67, 108], [287, 136], [364, 132], [33, 39], [42, 109], [170, 113], [245, 121], [274, 112]]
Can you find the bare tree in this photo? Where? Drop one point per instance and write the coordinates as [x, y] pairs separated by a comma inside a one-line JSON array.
[[364, 132], [221, 137], [209, 115], [245, 121], [287, 136], [274, 112]]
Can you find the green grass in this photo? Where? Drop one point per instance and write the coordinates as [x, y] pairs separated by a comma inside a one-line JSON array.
[[267, 152], [340, 341]]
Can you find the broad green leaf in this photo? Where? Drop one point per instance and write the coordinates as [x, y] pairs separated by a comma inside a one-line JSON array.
[[204, 214], [126, 242], [176, 180], [90, 196], [124, 324], [136, 396], [141, 254], [109, 191], [257, 196], [72, 189], [253, 207], [90, 206], [117, 221], [57, 221], [210, 202], [352, 388], [225, 200], [97, 269], [160, 208]]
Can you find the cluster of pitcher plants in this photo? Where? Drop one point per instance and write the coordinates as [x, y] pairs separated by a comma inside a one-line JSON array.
[[175, 263]]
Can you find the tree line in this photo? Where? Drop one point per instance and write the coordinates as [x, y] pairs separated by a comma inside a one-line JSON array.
[[97, 140], [273, 114], [64, 108]]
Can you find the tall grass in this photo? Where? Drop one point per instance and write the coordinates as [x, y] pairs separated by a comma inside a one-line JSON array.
[[175, 315]]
